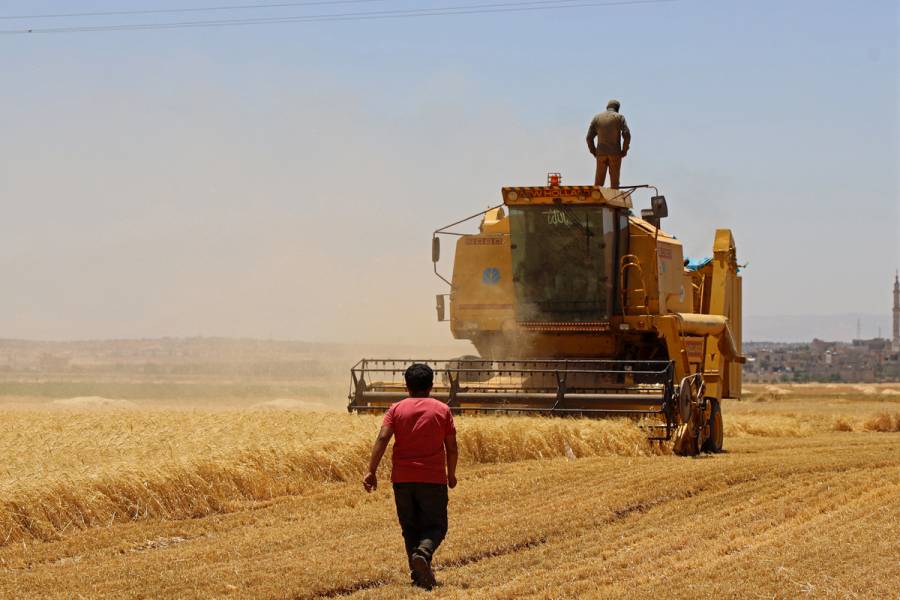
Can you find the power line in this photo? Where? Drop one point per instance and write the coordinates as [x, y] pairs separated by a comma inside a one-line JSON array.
[[471, 9], [195, 9]]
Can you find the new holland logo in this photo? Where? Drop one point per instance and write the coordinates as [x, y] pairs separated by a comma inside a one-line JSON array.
[[491, 276]]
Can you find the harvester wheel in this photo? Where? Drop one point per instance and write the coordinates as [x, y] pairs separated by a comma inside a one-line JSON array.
[[716, 430], [685, 441]]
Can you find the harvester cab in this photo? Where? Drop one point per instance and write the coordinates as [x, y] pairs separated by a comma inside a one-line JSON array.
[[578, 307]]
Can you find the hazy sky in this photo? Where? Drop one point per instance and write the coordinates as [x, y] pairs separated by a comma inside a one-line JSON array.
[[284, 180]]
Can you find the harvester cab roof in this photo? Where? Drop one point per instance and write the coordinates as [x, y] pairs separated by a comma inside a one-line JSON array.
[[556, 193], [567, 194]]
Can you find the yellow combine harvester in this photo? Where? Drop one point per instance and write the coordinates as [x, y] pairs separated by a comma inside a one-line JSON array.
[[577, 307]]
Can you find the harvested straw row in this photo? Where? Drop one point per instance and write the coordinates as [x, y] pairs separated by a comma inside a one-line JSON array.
[[773, 425], [199, 486], [766, 426], [883, 422]]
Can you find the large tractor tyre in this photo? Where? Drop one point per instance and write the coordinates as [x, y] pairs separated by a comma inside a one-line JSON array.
[[716, 430]]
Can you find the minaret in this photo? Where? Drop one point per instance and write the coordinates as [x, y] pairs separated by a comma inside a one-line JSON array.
[[896, 341]]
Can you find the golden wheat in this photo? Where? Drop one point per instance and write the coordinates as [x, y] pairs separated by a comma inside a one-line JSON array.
[[205, 469], [764, 519], [842, 424], [105, 503], [76, 469]]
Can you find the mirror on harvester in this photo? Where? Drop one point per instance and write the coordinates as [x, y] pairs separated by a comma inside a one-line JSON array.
[[435, 249], [440, 305], [659, 207]]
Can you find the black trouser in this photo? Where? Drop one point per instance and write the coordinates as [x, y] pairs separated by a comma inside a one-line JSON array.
[[422, 511]]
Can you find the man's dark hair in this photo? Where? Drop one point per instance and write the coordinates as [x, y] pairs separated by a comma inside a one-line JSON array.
[[419, 378]]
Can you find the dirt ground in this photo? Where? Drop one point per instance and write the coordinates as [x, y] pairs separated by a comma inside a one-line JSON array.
[[805, 502]]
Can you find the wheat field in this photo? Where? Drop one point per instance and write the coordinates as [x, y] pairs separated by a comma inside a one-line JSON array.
[[126, 500]]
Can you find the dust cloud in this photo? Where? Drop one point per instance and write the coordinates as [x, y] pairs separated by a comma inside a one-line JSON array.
[[276, 215]]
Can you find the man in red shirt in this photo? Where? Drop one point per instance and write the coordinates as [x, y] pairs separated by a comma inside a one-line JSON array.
[[424, 466]]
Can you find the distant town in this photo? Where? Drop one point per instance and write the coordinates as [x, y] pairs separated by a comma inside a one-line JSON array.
[[862, 361], [859, 361]]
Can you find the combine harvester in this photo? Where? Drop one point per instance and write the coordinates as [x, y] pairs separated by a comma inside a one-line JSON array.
[[579, 308]]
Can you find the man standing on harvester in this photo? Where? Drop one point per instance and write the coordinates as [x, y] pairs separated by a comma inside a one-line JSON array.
[[424, 466], [613, 138]]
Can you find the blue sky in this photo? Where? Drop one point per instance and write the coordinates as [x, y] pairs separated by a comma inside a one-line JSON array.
[[283, 180]]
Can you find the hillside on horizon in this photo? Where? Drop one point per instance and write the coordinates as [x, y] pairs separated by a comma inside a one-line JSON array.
[[805, 328]]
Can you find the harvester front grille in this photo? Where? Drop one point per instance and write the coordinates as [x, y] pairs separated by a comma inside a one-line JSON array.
[[588, 388]]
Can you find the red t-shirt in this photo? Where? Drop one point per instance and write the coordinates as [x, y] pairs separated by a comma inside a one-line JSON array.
[[420, 426]]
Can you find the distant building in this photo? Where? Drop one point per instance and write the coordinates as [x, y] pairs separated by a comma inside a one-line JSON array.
[[896, 339]]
